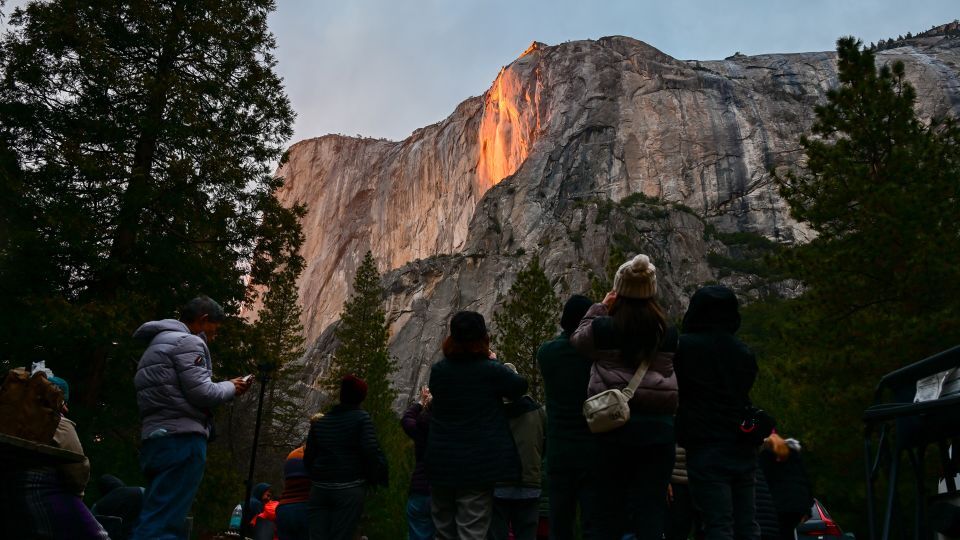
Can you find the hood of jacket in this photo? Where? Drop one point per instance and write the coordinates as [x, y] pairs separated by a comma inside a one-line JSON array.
[[259, 490], [712, 309], [148, 331]]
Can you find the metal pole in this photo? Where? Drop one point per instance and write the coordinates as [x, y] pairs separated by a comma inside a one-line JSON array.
[[264, 379]]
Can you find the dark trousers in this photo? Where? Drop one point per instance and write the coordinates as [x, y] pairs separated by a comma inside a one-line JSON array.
[[722, 484], [789, 521], [333, 514], [634, 495], [173, 466], [569, 489], [292, 521], [680, 515], [519, 515]]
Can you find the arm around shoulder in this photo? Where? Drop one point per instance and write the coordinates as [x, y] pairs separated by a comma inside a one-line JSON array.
[[511, 385]]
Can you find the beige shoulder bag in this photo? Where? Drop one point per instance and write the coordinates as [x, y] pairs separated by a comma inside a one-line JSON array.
[[610, 409]]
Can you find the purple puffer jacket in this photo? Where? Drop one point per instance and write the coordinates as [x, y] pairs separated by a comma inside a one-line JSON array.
[[657, 392]]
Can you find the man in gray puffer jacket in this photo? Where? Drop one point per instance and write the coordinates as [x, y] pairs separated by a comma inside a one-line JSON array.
[[176, 395]]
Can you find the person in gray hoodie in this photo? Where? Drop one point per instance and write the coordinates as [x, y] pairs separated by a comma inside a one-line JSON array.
[[176, 396]]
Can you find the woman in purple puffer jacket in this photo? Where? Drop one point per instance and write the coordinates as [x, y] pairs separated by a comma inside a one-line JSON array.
[[636, 459]]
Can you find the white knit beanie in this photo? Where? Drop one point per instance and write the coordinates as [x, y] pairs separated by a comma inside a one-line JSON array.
[[636, 278]]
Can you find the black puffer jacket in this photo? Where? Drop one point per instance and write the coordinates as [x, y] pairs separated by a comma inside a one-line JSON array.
[[342, 447], [788, 480], [766, 512], [715, 370], [469, 444]]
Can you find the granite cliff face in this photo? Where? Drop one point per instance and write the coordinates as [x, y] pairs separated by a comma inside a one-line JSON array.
[[574, 149]]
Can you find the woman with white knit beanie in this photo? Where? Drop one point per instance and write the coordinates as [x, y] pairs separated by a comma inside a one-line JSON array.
[[627, 330]]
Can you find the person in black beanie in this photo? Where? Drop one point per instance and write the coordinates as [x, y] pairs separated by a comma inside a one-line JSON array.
[[469, 446], [571, 448], [343, 457]]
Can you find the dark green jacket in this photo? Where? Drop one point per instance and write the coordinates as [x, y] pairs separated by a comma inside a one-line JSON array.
[[469, 444], [565, 373], [528, 420]]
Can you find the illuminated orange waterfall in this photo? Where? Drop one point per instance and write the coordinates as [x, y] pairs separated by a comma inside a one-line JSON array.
[[511, 119]]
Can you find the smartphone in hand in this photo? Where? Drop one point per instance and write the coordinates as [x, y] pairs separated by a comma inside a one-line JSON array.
[[248, 379]]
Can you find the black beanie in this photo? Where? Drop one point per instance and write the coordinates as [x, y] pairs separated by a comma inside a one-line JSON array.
[[467, 326], [573, 312]]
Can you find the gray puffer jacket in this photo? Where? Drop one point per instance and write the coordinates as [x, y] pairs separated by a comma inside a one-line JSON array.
[[173, 381]]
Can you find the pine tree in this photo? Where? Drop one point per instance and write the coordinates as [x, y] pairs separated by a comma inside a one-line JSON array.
[[601, 285], [278, 328], [528, 318], [279, 335], [362, 350], [141, 137], [881, 188], [363, 336]]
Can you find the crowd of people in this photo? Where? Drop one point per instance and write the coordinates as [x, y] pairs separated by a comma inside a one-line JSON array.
[[492, 462]]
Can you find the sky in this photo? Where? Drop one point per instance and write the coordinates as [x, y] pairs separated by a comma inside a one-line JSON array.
[[383, 68]]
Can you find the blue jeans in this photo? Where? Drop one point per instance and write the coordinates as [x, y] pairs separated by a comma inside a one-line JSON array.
[[173, 466], [419, 519], [292, 521]]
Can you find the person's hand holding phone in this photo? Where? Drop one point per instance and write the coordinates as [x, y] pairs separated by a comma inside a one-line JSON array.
[[425, 396], [242, 384]]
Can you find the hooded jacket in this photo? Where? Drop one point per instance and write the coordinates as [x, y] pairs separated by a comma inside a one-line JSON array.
[[175, 391], [715, 370], [469, 444]]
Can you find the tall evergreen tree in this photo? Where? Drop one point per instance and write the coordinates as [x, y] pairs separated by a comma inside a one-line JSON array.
[[528, 318], [881, 189], [363, 337], [138, 140], [279, 344]]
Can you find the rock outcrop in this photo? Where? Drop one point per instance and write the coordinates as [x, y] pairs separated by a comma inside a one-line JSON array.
[[574, 149]]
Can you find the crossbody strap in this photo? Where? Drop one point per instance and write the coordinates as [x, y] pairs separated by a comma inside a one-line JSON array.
[[637, 377]]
